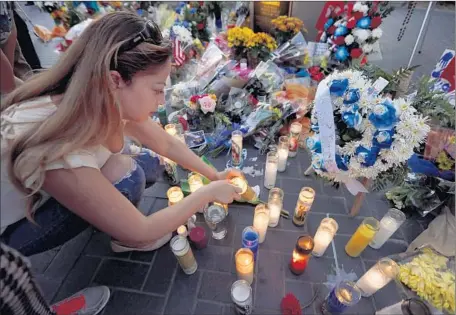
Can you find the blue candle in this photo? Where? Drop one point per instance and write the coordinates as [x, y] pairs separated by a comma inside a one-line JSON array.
[[250, 240], [341, 297]]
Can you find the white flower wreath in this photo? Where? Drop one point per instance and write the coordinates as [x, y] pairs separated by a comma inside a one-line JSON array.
[[372, 134]]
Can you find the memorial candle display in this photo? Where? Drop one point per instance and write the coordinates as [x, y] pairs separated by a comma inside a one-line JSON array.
[[181, 249], [282, 150], [171, 129], [275, 203], [175, 195], [303, 205], [245, 263], [236, 148], [261, 221], [250, 240], [324, 235], [389, 224], [342, 296], [270, 172], [301, 254], [362, 237], [378, 276], [242, 297], [195, 182], [247, 193], [295, 132]]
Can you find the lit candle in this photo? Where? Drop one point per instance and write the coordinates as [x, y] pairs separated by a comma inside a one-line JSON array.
[[389, 224], [301, 254], [275, 203], [377, 277], [182, 231], [195, 182], [283, 153], [344, 295], [245, 264], [261, 221], [270, 173], [236, 148], [362, 237], [175, 195], [303, 205], [250, 238], [198, 237], [171, 129], [247, 193], [325, 233], [242, 297], [295, 132]]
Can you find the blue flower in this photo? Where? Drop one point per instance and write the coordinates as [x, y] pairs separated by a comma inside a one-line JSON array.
[[338, 87], [367, 157], [383, 138], [353, 108], [341, 31], [317, 161], [185, 23], [364, 22], [342, 53], [351, 96], [313, 143], [383, 116], [352, 119], [342, 162], [328, 24], [192, 10]]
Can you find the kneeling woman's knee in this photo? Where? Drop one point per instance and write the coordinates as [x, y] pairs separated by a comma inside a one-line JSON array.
[[126, 176]]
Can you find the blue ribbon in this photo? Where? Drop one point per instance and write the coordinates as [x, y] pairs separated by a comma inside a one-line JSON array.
[[422, 166]]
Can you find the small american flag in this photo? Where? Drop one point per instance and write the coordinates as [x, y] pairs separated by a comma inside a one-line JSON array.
[[179, 56]]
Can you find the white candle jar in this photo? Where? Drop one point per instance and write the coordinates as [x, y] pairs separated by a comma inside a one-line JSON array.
[[242, 297], [270, 173], [236, 148], [261, 221], [171, 129], [305, 200], [195, 182], [283, 153], [378, 276], [324, 235], [389, 224], [295, 132], [175, 195], [245, 264], [275, 204]]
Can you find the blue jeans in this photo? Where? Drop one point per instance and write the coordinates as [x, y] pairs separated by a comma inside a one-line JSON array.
[[56, 224]]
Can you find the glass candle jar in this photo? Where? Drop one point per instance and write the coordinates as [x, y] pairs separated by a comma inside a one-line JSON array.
[[181, 249], [236, 148], [247, 193], [295, 132], [215, 215], [362, 237], [342, 296], [303, 205], [171, 129], [282, 150], [250, 239], [198, 237], [182, 231], [242, 297], [191, 222], [195, 182], [223, 205], [378, 276], [275, 204], [245, 262], [389, 224], [171, 171], [270, 172], [175, 195], [261, 221], [324, 235], [301, 254]]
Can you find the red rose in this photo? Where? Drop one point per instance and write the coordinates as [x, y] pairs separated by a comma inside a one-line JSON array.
[[351, 23], [376, 21], [317, 76], [200, 26], [356, 52], [331, 30], [314, 69], [194, 98], [339, 40], [290, 305], [358, 15], [364, 61]]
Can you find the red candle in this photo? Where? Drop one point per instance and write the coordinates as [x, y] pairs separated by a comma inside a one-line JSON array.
[[198, 237], [301, 254]]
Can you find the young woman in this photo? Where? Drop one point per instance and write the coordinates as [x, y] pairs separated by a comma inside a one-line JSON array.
[[62, 132]]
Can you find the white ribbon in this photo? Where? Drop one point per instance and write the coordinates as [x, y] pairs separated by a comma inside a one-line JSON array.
[[324, 111]]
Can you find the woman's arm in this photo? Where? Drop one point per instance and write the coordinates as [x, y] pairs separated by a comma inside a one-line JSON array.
[[87, 193], [154, 137]]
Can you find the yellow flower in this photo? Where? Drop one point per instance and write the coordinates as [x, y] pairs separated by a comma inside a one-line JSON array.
[[239, 36]]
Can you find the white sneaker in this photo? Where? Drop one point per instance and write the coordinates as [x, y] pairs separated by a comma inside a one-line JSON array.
[[117, 247]]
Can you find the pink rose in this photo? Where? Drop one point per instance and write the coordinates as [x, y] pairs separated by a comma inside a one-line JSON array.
[[207, 104]]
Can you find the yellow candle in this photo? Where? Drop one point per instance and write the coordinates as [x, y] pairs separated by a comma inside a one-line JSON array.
[[171, 129], [362, 237], [247, 193], [175, 195], [195, 182], [245, 264]]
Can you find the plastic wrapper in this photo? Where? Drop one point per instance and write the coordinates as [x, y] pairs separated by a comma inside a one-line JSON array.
[[177, 96], [209, 65], [292, 51], [270, 76], [242, 12], [429, 276]]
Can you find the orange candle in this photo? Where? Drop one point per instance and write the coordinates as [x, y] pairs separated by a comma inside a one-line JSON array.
[[362, 237]]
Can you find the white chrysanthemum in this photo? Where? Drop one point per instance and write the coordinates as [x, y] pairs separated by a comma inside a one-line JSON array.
[[364, 8], [367, 48], [183, 34], [357, 6], [165, 34], [361, 35], [349, 39], [377, 33]]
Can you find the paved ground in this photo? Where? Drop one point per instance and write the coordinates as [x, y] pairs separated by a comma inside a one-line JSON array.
[[152, 283]]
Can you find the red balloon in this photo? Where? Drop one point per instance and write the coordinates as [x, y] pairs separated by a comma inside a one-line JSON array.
[[351, 23]]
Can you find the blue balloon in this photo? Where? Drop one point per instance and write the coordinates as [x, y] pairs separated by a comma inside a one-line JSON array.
[[342, 53], [352, 96], [364, 22], [328, 24], [341, 31]]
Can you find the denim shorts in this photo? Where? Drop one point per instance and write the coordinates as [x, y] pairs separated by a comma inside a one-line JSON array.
[[56, 224]]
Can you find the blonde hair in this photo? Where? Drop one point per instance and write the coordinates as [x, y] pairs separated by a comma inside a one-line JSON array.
[[88, 113]]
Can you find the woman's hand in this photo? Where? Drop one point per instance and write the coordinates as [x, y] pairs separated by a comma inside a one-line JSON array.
[[229, 174], [222, 191]]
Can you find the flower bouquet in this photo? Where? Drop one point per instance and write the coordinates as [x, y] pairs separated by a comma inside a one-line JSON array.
[[357, 133], [286, 27], [352, 36], [201, 110], [194, 15], [259, 48], [238, 38]]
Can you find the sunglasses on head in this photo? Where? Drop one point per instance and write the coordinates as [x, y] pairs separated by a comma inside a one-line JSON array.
[[151, 34]]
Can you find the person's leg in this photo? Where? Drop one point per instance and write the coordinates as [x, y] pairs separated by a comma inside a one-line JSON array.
[[26, 43], [149, 161]]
